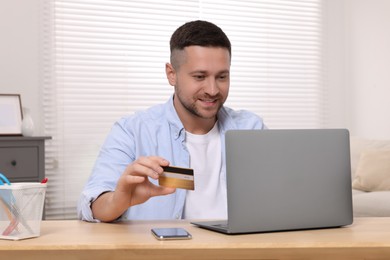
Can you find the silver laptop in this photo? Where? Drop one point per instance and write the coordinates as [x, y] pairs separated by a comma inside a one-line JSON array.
[[279, 180]]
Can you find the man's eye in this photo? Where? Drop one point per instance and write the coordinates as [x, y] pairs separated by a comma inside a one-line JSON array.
[[199, 77]]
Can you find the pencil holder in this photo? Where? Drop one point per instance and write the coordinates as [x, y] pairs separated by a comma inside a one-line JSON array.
[[21, 209]]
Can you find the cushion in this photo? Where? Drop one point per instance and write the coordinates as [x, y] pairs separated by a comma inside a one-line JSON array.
[[373, 171], [359, 144], [371, 204]]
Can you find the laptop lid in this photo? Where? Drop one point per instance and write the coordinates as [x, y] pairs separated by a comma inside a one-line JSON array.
[[287, 180]]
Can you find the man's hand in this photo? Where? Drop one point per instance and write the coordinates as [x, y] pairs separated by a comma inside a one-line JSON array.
[[133, 188]]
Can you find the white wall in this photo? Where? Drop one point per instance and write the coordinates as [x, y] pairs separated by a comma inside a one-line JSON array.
[[358, 62], [368, 67], [19, 54]]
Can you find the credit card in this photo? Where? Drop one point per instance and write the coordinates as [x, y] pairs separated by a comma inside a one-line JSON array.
[[177, 177]]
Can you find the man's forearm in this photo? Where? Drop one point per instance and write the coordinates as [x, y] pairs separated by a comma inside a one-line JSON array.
[[106, 209]]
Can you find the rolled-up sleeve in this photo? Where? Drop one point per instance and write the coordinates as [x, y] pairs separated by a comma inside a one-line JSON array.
[[84, 209], [113, 158]]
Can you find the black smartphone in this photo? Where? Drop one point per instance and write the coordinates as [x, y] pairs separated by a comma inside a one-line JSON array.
[[170, 233]]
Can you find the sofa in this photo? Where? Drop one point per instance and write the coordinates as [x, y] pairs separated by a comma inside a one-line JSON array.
[[370, 168]]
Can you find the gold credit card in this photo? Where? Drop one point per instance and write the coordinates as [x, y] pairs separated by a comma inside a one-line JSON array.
[[177, 177]]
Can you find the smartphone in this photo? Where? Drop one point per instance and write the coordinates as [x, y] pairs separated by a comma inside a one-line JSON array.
[[170, 233]]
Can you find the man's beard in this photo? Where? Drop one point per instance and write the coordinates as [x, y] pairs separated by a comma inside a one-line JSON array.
[[193, 109]]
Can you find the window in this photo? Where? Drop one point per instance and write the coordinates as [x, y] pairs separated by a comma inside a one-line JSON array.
[[103, 59]]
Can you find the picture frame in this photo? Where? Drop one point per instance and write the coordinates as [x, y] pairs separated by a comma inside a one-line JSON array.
[[11, 114]]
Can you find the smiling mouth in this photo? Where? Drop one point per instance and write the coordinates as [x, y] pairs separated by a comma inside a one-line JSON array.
[[209, 102]]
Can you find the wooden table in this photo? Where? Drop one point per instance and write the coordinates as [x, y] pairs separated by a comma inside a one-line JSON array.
[[366, 238]]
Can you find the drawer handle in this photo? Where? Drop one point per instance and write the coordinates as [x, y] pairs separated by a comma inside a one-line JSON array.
[[13, 163]]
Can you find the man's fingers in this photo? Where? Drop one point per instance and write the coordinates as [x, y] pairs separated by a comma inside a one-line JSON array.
[[160, 190], [153, 162], [147, 166], [134, 179], [134, 186], [137, 169]]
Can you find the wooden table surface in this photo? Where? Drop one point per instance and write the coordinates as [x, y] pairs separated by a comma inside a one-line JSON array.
[[366, 238]]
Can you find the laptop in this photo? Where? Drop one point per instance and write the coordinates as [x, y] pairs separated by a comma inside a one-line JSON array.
[[282, 180]]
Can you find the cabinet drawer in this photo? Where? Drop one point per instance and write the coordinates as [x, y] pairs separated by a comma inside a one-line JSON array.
[[19, 162]]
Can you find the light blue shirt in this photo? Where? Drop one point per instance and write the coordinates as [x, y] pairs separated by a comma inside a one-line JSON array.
[[155, 131]]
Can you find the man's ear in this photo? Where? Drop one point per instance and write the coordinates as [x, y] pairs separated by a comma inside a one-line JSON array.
[[171, 74]]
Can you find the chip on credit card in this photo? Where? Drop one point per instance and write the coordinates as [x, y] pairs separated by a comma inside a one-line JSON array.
[[177, 177]]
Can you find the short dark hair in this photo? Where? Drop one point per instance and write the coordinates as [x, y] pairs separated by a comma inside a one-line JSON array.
[[201, 33]]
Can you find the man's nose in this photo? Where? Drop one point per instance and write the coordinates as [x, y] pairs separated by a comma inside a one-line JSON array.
[[212, 87]]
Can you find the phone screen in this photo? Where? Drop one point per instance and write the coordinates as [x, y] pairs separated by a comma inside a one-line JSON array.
[[170, 233]]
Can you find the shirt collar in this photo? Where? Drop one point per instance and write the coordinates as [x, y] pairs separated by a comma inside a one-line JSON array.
[[225, 122], [173, 118]]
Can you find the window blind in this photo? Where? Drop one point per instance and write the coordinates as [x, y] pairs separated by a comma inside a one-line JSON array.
[[103, 59]]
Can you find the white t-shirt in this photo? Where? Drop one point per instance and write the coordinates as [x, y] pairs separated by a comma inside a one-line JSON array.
[[208, 200]]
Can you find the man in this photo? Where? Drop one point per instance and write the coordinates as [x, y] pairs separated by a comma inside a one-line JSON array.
[[187, 131]]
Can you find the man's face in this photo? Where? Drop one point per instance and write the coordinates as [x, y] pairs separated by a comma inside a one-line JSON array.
[[201, 79]]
